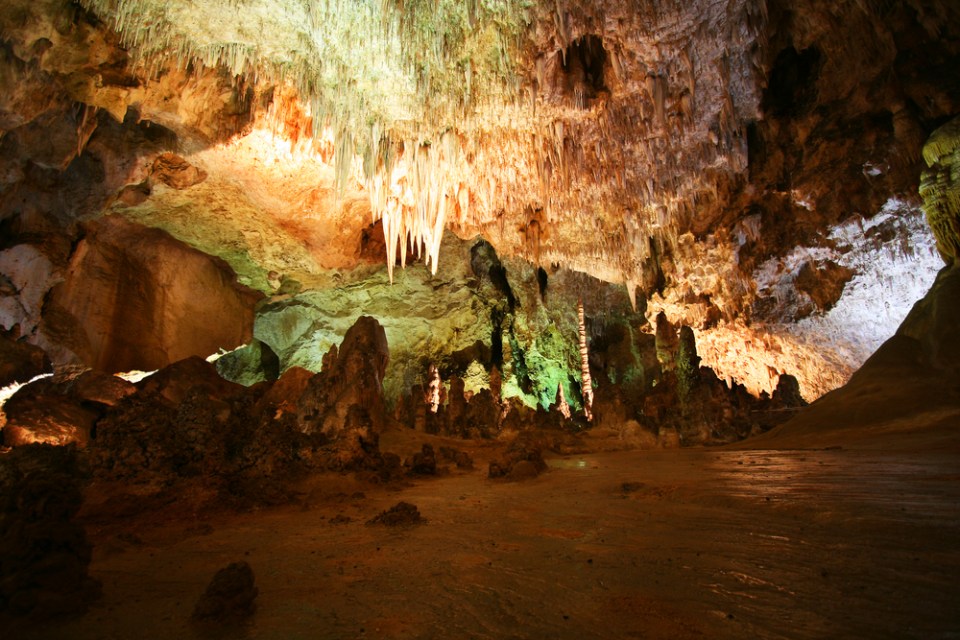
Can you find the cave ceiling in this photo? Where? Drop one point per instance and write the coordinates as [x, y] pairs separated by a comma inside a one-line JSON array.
[[731, 163]]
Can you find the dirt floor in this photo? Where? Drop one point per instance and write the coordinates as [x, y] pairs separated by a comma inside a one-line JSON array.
[[668, 544]]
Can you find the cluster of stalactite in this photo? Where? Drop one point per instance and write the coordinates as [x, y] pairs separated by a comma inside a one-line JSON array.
[[533, 123]]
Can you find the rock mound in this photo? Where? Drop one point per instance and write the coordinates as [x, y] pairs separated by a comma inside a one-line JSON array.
[[401, 514], [230, 596]]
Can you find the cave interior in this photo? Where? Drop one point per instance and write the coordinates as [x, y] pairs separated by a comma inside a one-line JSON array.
[[479, 319]]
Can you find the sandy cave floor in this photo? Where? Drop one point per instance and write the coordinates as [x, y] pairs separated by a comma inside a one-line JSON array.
[[668, 544]]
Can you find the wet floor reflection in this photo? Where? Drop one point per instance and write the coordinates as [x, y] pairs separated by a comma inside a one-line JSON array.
[[928, 485], [840, 543]]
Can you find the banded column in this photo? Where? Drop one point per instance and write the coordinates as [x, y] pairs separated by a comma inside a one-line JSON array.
[[585, 365]]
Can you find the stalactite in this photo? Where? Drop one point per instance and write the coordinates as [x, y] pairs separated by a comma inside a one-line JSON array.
[[379, 72], [585, 365]]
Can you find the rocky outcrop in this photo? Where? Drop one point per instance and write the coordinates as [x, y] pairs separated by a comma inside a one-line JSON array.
[[135, 298], [44, 552], [186, 424], [906, 392], [42, 413], [521, 461], [63, 409], [175, 426], [344, 404], [402, 514], [20, 361], [27, 271], [940, 188], [175, 172]]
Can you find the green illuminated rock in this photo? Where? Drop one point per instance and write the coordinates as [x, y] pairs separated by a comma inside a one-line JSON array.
[[940, 188]]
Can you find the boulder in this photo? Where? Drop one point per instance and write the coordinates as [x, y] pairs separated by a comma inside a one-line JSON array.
[[424, 462], [60, 411], [230, 596], [401, 514], [41, 413], [521, 461], [174, 382]]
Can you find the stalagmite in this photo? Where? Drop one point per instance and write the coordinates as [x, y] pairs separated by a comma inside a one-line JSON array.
[[433, 388], [562, 405], [585, 365]]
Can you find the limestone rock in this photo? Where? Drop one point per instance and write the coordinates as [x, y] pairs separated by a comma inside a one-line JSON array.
[[423, 463], [521, 461], [933, 323], [401, 514], [186, 424], [175, 382], [230, 596], [909, 385], [460, 458], [30, 273], [283, 395], [62, 409], [20, 361], [249, 364], [823, 282], [44, 554], [41, 412], [346, 402], [135, 298], [174, 426], [173, 171], [940, 188], [787, 394]]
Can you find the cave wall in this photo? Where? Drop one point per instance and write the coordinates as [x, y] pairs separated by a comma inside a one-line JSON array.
[[478, 314], [133, 298]]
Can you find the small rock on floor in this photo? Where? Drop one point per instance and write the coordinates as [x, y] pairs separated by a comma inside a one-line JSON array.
[[229, 596], [403, 513]]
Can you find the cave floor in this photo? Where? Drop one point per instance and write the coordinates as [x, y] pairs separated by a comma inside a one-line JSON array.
[[670, 544]]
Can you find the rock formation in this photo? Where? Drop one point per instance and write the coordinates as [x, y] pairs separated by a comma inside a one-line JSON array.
[[44, 553], [20, 361], [345, 400], [61, 410], [687, 151], [671, 164], [910, 384], [230, 596], [134, 298]]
